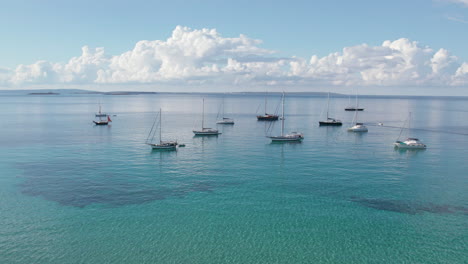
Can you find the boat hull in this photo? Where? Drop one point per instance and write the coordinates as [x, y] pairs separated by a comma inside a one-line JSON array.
[[286, 139], [354, 109], [402, 145], [159, 147], [325, 123], [267, 118], [98, 123], [206, 133], [225, 122], [358, 129]]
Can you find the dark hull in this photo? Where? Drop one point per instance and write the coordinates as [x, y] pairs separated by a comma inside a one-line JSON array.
[[354, 109], [101, 123], [267, 118], [324, 123]]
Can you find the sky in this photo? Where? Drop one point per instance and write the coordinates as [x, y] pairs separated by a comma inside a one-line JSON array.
[[416, 47]]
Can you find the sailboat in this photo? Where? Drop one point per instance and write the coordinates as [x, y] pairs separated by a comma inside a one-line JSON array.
[[358, 127], [162, 145], [205, 131], [409, 143], [266, 116], [100, 114], [225, 120], [353, 108], [292, 137], [330, 121], [102, 122]]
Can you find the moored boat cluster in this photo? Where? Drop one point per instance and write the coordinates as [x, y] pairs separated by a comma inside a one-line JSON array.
[[357, 127]]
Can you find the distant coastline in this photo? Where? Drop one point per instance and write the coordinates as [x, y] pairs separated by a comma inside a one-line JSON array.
[[65, 92], [47, 93]]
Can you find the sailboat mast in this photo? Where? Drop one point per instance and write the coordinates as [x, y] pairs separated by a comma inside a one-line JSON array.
[[357, 107], [160, 126], [266, 95], [223, 108], [282, 116], [328, 104], [203, 114], [409, 125]]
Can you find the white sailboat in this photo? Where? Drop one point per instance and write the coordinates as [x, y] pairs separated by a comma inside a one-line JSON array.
[[292, 137], [410, 142], [225, 120], [161, 145], [358, 127], [330, 121], [205, 131], [100, 114]]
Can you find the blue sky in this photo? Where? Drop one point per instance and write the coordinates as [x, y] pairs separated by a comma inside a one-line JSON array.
[[56, 31]]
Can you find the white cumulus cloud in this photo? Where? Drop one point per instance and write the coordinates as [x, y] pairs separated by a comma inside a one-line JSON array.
[[191, 56]]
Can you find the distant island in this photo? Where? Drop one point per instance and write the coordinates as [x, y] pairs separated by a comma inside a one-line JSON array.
[[127, 93], [48, 93]]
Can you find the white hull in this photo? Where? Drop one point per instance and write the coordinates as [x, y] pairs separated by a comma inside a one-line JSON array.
[[404, 146], [411, 143], [288, 138], [358, 128]]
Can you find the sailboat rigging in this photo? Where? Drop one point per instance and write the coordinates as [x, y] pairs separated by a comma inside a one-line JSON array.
[[292, 137], [160, 145], [358, 127], [205, 131], [100, 114], [355, 107], [266, 116], [330, 121], [225, 120], [410, 142]]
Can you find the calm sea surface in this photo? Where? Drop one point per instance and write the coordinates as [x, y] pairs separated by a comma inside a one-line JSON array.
[[72, 192]]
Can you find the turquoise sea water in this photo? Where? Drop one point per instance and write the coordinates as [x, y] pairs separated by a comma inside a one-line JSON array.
[[72, 192]]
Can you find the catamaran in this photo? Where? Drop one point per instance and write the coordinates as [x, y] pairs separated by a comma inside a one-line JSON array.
[[330, 121], [410, 142], [225, 120], [205, 131], [292, 137], [161, 145], [266, 116]]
